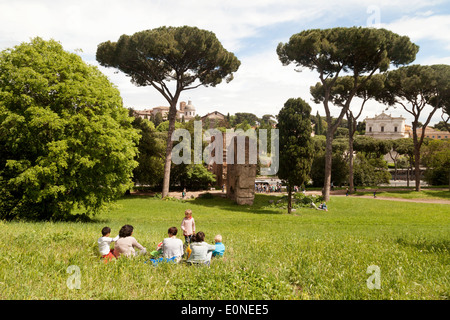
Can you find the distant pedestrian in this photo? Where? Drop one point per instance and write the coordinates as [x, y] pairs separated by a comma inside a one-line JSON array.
[[323, 206]]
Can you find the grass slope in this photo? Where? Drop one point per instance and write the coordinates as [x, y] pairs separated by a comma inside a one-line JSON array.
[[270, 255]]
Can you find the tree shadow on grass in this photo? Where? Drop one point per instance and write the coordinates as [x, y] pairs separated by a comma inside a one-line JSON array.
[[426, 245], [444, 194], [259, 205], [410, 194]]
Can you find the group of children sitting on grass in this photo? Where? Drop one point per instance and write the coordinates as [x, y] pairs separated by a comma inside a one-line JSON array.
[[193, 251]]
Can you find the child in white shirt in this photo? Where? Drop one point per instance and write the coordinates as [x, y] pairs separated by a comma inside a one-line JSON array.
[[104, 243]]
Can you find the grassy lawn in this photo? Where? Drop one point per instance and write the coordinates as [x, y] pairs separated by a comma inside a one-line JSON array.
[[410, 194], [309, 254]]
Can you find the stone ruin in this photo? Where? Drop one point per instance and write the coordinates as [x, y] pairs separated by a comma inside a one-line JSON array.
[[239, 178]]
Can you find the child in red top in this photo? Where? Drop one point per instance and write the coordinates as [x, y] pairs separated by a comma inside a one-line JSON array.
[[188, 226]]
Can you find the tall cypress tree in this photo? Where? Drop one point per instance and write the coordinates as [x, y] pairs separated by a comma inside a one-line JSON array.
[[295, 145], [318, 127]]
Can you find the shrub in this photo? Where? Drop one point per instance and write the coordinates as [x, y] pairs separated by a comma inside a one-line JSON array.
[[66, 141]]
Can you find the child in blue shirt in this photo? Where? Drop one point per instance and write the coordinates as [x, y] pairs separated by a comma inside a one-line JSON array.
[[220, 247]]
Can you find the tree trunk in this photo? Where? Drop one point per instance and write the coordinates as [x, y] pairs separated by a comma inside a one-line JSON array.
[[395, 170], [168, 161], [289, 198], [351, 134], [350, 167], [407, 177], [416, 155], [328, 163], [417, 167]]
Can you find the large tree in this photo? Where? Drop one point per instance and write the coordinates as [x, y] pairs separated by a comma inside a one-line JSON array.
[[295, 145], [66, 141], [415, 88], [333, 52], [189, 56], [339, 94]]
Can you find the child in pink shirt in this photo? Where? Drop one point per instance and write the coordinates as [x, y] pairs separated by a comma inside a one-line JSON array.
[[188, 226]]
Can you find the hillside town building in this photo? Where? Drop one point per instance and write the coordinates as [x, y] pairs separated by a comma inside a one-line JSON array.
[[385, 127], [186, 111]]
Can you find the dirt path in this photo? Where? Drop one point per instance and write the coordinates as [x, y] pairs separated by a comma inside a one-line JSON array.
[[340, 193]]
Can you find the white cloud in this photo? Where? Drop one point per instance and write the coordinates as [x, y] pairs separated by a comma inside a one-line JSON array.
[[435, 27], [436, 60], [262, 84]]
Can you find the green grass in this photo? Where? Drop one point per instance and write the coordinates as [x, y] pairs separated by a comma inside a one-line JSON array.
[[269, 254], [410, 194]]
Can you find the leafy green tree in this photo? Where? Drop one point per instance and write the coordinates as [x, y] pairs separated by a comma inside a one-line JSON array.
[[206, 124], [192, 176], [66, 140], [318, 128], [331, 52], [441, 126], [340, 93], [371, 147], [244, 125], [267, 120], [370, 171], [189, 56], [241, 117], [340, 168], [158, 119], [295, 146], [150, 158], [361, 127], [445, 116], [370, 168], [339, 175], [414, 88], [164, 126], [436, 157]]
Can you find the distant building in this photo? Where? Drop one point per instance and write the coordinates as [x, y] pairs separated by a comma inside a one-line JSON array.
[[385, 127], [186, 111], [163, 110], [216, 115], [436, 134], [144, 114]]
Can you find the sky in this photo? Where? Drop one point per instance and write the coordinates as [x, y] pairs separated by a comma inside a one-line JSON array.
[[251, 29]]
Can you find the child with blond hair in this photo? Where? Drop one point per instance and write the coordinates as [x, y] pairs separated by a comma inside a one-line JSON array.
[[188, 226], [220, 247]]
